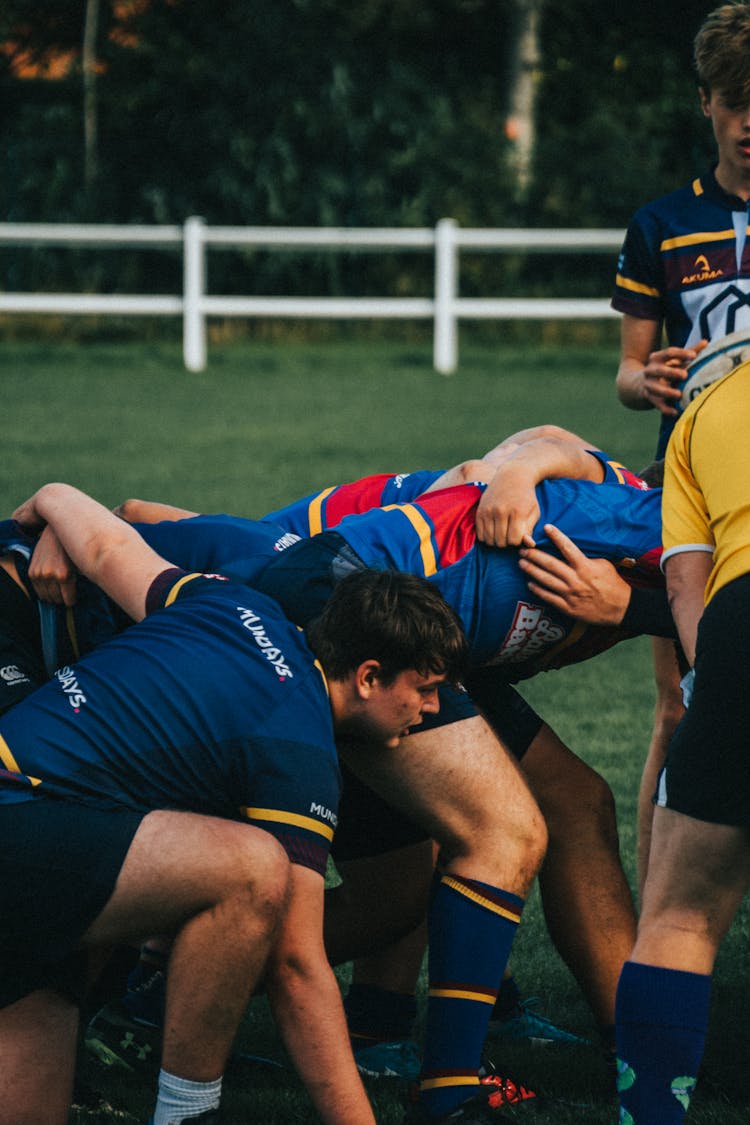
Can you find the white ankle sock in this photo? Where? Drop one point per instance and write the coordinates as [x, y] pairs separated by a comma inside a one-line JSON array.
[[180, 1099]]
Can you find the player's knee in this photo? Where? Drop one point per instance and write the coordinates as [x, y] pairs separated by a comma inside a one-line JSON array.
[[253, 873], [521, 833]]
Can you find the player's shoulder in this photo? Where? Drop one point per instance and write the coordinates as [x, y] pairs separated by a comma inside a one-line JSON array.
[[661, 211]]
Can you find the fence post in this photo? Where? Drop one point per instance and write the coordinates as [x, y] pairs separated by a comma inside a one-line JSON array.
[[445, 344], [194, 283]]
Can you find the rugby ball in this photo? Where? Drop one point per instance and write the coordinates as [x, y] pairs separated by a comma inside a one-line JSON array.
[[717, 358]]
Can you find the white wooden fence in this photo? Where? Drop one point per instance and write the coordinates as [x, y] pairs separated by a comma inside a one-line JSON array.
[[195, 305]]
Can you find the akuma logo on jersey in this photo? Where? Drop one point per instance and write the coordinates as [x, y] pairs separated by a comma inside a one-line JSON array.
[[272, 653], [703, 272], [530, 633], [68, 682]]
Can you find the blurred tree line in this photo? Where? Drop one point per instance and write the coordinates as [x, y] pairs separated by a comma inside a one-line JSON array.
[[338, 112]]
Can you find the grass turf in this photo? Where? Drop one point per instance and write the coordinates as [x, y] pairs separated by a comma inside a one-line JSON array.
[[267, 423]]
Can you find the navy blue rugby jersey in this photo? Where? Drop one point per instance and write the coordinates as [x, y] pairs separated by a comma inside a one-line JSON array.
[[212, 704], [686, 262]]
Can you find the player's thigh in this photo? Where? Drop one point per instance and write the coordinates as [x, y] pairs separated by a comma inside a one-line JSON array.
[[38, 1048], [569, 792], [463, 787], [180, 863]]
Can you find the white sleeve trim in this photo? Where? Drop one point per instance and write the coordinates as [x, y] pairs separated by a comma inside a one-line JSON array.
[[684, 548]]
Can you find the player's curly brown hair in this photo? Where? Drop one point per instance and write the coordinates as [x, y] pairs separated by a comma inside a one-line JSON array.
[[721, 52]]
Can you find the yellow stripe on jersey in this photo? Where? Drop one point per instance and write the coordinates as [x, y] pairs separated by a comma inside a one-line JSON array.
[[319, 666], [70, 625], [700, 236], [172, 595], [697, 186], [424, 533], [296, 819], [482, 997], [574, 635], [616, 467], [10, 763], [315, 519], [635, 286], [482, 900], [449, 1080]]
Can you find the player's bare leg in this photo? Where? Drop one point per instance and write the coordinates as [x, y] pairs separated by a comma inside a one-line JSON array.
[[668, 711], [587, 902], [462, 786], [221, 887], [38, 1049]]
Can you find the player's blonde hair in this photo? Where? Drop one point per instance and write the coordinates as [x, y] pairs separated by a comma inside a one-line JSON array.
[[721, 52]]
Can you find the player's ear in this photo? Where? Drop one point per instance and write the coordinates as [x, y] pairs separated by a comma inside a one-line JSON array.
[[366, 677], [705, 99]]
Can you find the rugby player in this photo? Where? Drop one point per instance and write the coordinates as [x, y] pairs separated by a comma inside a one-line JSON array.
[[579, 803], [183, 778], [684, 270]]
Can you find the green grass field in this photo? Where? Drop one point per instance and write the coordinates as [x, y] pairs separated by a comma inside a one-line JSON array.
[[267, 423]]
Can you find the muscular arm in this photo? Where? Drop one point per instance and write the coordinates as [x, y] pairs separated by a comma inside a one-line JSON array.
[[687, 574], [307, 1007], [648, 376], [483, 468], [101, 546], [151, 511], [508, 509]]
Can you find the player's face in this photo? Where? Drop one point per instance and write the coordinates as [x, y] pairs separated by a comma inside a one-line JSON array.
[[392, 709], [731, 126]]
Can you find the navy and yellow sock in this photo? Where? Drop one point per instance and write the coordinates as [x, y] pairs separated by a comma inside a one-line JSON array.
[[471, 930]]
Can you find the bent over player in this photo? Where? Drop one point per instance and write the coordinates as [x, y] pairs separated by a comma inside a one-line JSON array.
[[182, 778]]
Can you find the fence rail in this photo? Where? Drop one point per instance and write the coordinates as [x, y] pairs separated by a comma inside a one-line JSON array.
[[445, 308]]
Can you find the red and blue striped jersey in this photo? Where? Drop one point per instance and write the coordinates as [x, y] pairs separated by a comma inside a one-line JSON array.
[[325, 509]]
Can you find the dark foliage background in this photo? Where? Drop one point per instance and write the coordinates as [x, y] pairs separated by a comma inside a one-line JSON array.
[[336, 112]]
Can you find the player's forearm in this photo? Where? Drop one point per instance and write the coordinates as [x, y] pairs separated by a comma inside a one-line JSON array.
[[85, 528], [687, 574], [101, 546], [544, 458], [630, 385], [307, 1007], [150, 511], [533, 433]]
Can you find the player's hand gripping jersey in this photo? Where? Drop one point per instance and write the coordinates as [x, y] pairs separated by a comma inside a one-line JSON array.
[[213, 703]]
